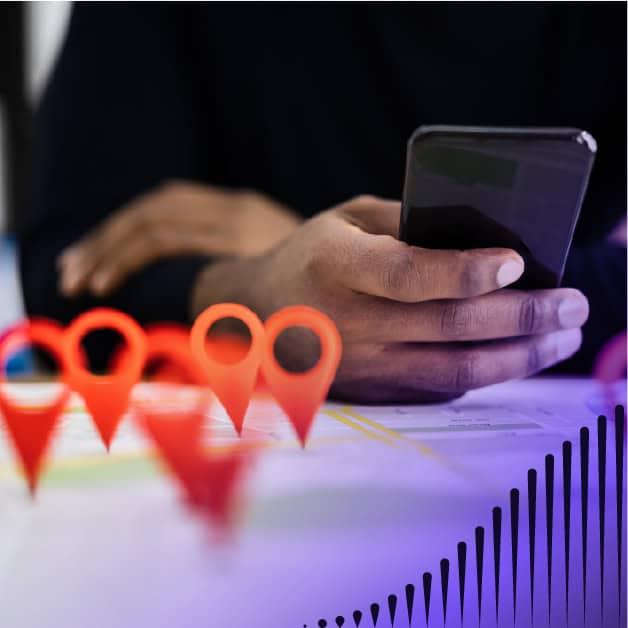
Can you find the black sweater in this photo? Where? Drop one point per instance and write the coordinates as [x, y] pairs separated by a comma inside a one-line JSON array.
[[312, 104]]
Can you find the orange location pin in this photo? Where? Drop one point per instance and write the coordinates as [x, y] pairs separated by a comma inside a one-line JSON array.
[[106, 396], [31, 428], [232, 383], [301, 394]]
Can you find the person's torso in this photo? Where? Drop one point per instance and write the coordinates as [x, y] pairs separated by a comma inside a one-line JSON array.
[[314, 103]]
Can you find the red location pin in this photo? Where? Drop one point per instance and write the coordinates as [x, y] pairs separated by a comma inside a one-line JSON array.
[[219, 483], [106, 396], [210, 481], [31, 428], [301, 394], [232, 383], [169, 344], [177, 436]]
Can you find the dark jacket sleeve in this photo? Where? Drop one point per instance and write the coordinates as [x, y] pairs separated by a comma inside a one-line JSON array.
[[118, 118]]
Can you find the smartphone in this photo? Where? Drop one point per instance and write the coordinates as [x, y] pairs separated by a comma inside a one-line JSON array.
[[476, 187]]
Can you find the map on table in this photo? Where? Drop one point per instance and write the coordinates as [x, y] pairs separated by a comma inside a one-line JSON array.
[[381, 496]]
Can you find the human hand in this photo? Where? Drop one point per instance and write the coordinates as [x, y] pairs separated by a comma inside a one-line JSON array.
[[178, 218], [417, 324]]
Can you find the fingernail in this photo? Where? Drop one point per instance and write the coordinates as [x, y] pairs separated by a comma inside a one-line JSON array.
[[572, 312], [568, 342], [509, 272]]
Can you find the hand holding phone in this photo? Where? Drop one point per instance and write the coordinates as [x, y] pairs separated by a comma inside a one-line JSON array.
[[482, 187]]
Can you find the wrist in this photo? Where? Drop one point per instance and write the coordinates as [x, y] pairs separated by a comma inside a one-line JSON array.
[[231, 280]]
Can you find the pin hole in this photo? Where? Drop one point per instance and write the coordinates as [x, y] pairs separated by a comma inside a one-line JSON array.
[[297, 349], [228, 340]]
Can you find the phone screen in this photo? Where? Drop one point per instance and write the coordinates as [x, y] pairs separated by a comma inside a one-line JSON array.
[[515, 188]]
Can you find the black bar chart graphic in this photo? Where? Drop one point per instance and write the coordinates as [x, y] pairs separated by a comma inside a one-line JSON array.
[[573, 508]]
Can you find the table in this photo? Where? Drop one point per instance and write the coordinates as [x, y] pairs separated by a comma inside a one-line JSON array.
[[381, 497]]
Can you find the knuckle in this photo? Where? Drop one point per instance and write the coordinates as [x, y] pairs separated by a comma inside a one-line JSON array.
[[248, 199], [171, 187], [364, 199], [139, 217], [530, 315], [455, 320], [396, 276], [471, 275], [317, 259], [535, 358], [466, 373]]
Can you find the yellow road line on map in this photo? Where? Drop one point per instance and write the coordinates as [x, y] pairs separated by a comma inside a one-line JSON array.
[[360, 428], [425, 449], [428, 451]]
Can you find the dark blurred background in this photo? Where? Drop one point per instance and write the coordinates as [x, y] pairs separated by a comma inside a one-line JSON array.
[[30, 35]]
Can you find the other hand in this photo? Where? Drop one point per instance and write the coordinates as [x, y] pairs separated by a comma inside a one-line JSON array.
[[178, 218]]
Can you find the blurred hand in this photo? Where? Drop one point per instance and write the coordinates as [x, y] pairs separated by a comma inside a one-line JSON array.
[[618, 234], [417, 324], [175, 219]]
